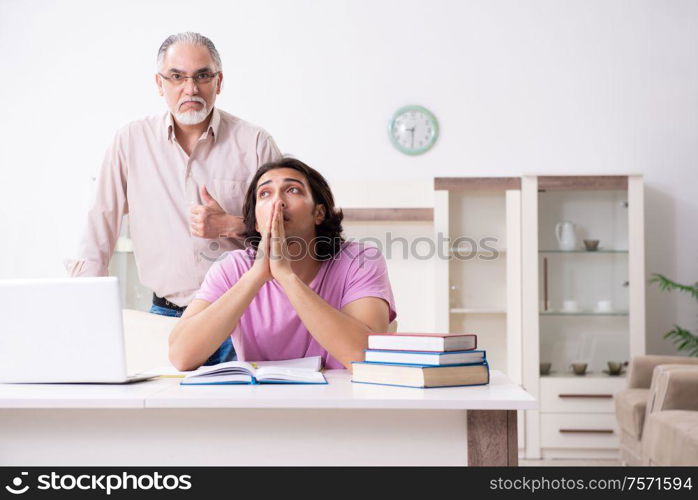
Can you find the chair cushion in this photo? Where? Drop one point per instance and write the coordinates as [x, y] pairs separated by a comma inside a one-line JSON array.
[[674, 387], [630, 410], [671, 438], [641, 368]]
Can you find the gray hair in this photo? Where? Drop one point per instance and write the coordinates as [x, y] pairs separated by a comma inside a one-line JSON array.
[[190, 38]]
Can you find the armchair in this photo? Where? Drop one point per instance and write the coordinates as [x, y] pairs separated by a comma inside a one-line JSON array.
[[671, 422], [631, 403]]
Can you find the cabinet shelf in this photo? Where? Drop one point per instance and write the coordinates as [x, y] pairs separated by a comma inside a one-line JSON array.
[[588, 375], [584, 251], [409, 214], [469, 251], [462, 310], [583, 313]]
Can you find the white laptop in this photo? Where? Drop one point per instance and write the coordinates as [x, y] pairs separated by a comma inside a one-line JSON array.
[[65, 330]]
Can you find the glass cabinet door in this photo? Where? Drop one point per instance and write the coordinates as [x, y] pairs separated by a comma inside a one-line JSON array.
[[583, 281]]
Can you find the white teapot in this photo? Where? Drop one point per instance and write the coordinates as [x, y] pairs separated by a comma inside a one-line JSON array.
[[566, 236]]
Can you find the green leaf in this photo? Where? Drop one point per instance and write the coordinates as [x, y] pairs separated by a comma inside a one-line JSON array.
[[666, 284], [683, 340]]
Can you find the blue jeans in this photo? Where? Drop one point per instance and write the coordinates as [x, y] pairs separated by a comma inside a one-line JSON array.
[[225, 352]]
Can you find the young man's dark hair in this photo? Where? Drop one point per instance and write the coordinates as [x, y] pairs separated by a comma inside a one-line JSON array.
[[329, 237]]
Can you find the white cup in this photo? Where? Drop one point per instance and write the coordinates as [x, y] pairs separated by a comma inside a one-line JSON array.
[[604, 306], [569, 305]]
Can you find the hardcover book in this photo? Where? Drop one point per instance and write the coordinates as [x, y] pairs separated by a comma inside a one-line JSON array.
[[434, 342], [420, 376], [425, 358]]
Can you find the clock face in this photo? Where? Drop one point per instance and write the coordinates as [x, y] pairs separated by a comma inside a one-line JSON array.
[[413, 130]]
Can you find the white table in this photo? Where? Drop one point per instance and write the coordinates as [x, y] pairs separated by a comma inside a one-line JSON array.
[[160, 422]]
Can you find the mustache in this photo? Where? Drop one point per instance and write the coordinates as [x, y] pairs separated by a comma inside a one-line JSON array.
[[191, 99]]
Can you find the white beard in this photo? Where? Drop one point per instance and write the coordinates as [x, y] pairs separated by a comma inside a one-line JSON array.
[[193, 117]]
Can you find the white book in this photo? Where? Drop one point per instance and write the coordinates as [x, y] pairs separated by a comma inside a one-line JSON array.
[[290, 371], [433, 342]]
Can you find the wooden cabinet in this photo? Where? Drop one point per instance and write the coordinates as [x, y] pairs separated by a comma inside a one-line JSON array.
[[581, 305], [543, 297]]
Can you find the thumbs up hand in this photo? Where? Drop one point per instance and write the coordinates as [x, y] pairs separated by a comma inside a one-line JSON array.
[[210, 220], [208, 199]]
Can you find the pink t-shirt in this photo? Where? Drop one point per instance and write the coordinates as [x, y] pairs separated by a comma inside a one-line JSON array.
[[270, 328]]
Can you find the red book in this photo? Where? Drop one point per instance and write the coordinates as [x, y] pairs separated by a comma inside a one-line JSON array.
[[424, 342]]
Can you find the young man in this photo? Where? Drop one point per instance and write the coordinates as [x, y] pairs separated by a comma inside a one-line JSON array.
[[298, 290], [180, 177]]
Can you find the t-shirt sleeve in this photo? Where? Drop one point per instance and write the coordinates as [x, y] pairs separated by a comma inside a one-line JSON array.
[[220, 278], [368, 277]]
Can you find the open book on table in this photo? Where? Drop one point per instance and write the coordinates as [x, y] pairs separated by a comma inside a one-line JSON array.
[[290, 371]]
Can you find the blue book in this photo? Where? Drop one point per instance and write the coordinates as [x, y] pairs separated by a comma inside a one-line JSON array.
[[424, 358], [405, 375], [290, 371]]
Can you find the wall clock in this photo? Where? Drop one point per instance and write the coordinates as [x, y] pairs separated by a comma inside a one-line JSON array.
[[413, 130]]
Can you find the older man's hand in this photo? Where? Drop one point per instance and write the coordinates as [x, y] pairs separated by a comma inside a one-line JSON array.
[[210, 220]]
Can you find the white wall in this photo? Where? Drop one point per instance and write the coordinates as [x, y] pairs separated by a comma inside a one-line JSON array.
[[578, 86]]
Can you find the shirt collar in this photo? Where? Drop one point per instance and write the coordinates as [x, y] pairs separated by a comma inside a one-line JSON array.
[[215, 123], [212, 126]]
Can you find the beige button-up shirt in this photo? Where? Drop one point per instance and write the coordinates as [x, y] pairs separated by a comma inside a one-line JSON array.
[[147, 175]]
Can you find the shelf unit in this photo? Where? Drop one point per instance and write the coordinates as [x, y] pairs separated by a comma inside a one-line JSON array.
[[501, 299], [477, 220], [576, 417], [478, 281]]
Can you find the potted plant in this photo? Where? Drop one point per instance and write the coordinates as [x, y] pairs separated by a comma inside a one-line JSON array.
[[684, 340]]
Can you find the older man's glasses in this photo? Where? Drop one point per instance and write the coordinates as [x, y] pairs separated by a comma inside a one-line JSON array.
[[178, 79]]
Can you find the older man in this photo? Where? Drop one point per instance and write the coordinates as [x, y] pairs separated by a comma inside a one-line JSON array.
[[181, 177]]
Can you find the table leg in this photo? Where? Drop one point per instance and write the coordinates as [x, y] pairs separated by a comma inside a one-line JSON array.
[[492, 438]]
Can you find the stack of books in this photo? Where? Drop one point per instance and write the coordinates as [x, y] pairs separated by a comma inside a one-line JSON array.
[[422, 360]]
